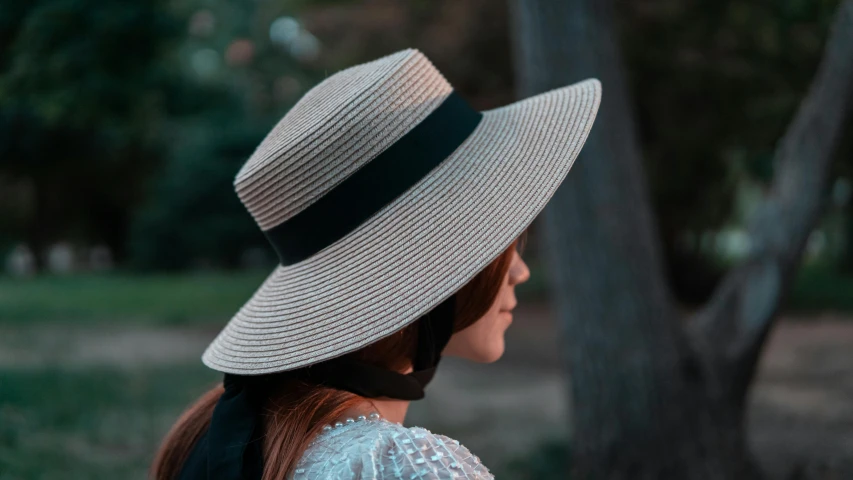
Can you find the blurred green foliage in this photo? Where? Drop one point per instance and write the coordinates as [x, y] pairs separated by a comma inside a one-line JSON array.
[[112, 132], [131, 134], [82, 91], [192, 213], [821, 288], [715, 84]]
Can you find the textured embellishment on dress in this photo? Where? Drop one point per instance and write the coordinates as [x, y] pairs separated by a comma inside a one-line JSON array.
[[384, 450]]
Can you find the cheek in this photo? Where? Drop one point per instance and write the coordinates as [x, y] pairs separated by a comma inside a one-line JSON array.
[[491, 340], [483, 341]]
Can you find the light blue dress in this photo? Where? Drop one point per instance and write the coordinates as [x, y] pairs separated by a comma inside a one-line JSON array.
[[376, 449]]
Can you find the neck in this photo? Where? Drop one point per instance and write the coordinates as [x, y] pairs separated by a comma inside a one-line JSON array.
[[390, 409]]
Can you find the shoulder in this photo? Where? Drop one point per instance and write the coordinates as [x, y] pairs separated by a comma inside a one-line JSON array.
[[418, 451], [384, 450]]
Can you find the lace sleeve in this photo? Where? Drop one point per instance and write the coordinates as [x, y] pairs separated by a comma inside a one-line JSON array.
[[416, 453]]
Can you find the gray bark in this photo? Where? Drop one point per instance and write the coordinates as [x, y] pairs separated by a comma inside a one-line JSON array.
[[652, 399], [741, 312]]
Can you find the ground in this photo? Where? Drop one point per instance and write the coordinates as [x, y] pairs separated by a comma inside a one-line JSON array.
[[800, 410]]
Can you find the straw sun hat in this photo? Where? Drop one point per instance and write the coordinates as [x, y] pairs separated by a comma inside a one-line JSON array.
[[384, 193]]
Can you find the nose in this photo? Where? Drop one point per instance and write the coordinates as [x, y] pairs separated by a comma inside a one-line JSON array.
[[518, 271]]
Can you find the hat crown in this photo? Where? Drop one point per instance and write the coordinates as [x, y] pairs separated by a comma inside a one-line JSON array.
[[336, 128]]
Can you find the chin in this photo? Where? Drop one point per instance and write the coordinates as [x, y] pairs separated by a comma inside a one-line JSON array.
[[491, 355]]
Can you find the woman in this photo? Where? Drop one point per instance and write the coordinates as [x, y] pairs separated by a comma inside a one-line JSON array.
[[395, 210]]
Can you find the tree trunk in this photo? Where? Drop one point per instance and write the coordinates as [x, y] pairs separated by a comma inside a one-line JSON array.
[[651, 399]]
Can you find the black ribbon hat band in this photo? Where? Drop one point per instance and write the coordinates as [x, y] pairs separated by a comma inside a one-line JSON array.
[[376, 184], [231, 448]]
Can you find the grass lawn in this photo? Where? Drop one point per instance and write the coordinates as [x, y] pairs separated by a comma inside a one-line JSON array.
[[90, 424], [150, 299], [214, 297], [106, 422], [819, 288], [93, 424]]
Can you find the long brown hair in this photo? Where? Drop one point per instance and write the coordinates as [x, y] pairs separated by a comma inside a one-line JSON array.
[[298, 412]]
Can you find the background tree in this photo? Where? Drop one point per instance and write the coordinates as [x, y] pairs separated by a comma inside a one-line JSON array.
[[655, 396], [715, 83], [78, 112], [190, 219], [250, 76], [719, 80]]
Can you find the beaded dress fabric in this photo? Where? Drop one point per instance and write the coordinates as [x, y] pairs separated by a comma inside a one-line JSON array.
[[374, 448]]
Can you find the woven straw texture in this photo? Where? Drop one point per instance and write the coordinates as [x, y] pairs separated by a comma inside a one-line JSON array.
[[417, 250], [337, 127]]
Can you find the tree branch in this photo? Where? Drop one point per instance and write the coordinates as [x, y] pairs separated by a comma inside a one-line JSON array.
[[734, 324]]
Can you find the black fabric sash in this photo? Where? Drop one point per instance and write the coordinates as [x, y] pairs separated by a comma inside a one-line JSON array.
[[232, 447], [377, 183]]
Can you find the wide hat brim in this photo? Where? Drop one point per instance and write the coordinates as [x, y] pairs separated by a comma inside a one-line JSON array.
[[419, 249]]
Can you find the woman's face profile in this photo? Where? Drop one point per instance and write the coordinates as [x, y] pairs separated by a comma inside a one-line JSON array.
[[483, 341]]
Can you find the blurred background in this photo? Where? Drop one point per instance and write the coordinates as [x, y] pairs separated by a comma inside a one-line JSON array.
[[124, 248]]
